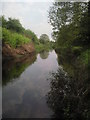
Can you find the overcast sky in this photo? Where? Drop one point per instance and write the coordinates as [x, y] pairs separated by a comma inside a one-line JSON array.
[[32, 15]]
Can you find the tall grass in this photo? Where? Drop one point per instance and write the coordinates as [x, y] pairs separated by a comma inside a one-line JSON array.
[[14, 39]]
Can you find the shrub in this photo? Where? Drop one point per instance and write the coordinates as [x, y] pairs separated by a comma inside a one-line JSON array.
[[76, 50], [85, 57], [28, 33], [13, 39]]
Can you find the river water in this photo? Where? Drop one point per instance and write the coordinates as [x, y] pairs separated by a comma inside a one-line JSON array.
[[38, 87], [24, 96]]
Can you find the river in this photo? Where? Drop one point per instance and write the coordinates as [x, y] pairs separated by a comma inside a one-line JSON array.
[[25, 95], [38, 87]]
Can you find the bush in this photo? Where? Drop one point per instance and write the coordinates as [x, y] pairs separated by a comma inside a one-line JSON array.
[[13, 39], [76, 50], [85, 57], [28, 33], [0, 33]]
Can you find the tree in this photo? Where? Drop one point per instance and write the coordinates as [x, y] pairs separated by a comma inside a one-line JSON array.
[[44, 38], [28, 33], [84, 36], [59, 15], [66, 17], [3, 21], [14, 25]]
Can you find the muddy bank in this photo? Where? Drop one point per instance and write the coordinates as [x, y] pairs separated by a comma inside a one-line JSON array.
[[24, 50]]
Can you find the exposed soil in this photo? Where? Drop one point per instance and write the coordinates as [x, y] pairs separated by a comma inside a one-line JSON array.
[[26, 49]]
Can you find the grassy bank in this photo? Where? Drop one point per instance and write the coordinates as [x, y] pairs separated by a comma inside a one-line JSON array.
[[75, 52], [14, 39], [76, 66], [14, 34]]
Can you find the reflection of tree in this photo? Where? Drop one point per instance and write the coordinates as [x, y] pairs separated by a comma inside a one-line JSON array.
[[68, 98], [44, 54], [13, 68]]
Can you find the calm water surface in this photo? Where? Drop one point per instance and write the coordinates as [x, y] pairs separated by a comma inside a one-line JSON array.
[[26, 86], [38, 87]]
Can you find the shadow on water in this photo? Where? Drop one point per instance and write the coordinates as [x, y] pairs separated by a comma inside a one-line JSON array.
[[69, 92], [13, 68]]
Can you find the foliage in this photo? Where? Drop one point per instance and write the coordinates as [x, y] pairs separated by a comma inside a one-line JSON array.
[[72, 41], [67, 35], [28, 33], [0, 33], [14, 39], [41, 47], [70, 23], [52, 44], [44, 38], [14, 25], [69, 97], [15, 35], [85, 57], [4, 21]]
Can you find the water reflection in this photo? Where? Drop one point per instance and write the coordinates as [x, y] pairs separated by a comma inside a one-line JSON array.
[[65, 95], [13, 68], [44, 54], [26, 96], [69, 93]]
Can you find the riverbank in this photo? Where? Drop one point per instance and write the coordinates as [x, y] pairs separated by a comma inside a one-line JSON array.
[[17, 45], [10, 52], [75, 62], [18, 41]]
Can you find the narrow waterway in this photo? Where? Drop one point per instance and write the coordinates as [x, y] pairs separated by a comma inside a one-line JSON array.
[[38, 87], [24, 95]]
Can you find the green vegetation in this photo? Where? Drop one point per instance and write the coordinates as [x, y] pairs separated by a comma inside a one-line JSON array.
[[44, 43], [85, 57], [70, 21], [16, 35], [14, 39], [44, 39], [31, 35], [40, 47], [0, 33], [69, 97]]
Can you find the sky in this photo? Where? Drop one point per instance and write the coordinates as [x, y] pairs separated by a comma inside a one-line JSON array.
[[32, 15]]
